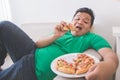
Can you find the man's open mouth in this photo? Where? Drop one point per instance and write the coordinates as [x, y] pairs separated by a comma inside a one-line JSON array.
[[78, 27]]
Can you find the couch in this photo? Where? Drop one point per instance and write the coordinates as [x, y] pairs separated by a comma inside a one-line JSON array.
[[39, 30]]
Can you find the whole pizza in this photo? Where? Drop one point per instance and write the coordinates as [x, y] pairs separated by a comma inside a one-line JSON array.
[[80, 65]]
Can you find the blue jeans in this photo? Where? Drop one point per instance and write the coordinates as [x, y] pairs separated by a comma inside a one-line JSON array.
[[21, 49]]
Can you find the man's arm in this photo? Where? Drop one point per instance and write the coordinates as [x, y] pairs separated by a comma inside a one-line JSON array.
[[106, 68], [46, 41], [110, 57], [58, 32]]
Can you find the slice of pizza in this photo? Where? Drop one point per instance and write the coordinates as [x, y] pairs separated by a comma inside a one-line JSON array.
[[83, 62], [69, 27], [82, 68], [65, 67], [66, 28]]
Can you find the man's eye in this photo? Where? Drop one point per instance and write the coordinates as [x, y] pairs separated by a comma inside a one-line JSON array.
[[87, 22], [77, 19]]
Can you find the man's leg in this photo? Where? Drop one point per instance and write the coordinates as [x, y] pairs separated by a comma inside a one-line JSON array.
[[21, 49], [3, 54], [23, 69], [14, 41]]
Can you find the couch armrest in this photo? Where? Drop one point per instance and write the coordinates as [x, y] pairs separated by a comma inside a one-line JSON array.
[[93, 52]]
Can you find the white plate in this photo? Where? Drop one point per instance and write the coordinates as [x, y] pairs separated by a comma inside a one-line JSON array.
[[69, 58]]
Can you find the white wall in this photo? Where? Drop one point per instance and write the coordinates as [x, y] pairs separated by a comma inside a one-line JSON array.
[[107, 12], [27, 11], [5, 13]]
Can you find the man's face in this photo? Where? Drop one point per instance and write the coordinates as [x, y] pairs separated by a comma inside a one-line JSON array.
[[82, 22]]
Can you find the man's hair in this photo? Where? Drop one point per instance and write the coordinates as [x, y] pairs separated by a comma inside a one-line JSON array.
[[86, 10]]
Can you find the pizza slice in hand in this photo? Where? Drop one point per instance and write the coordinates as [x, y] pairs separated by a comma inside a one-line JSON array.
[[69, 27]]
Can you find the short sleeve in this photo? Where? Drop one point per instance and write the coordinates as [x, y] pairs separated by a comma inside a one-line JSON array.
[[99, 42]]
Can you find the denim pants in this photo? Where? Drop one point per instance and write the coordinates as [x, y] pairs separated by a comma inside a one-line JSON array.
[[21, 49]]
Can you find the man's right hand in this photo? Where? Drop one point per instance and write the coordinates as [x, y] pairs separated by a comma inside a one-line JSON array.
[[59, 29]]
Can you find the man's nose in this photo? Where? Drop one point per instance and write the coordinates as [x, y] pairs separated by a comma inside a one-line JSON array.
[[80, 21]]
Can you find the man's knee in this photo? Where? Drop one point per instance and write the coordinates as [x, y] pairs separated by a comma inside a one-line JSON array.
[[5, 22]]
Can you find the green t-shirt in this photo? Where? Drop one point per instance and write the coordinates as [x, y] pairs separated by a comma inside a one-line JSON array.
[[64, 45]]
